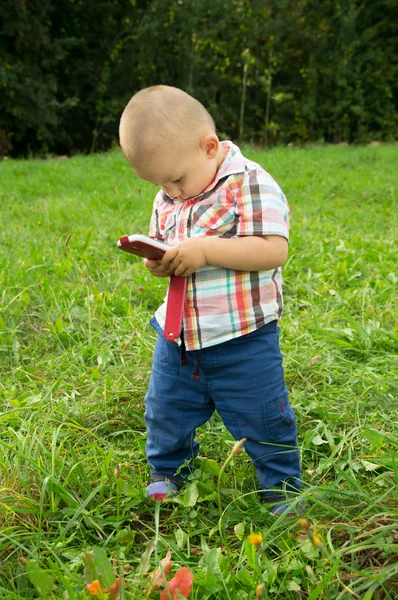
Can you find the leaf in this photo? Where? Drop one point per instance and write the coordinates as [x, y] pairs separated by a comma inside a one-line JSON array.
[[374, 438], [207, 491], [163, 571], [90, 572], [314, 360], [15, 348], [324, 582], [386, 461], [245, 578], [212, 561], [362, 333], [146, 558], [272, 572], [239, 530], [329, 437], [104, 567], [204, 546], [318, 441], [251, 554], [208, 465], [103, 357], [191, 494], [114, 590], [126, 489], [181, 583], [59, 325], [293, 586], [308, 549], [369, 466], [41, 579], [181, 538]]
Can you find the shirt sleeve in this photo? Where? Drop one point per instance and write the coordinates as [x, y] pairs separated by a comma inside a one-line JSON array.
[[261, 206]]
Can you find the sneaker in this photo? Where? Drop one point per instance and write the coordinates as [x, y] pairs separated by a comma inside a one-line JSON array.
[[291, 509], [159, 490]]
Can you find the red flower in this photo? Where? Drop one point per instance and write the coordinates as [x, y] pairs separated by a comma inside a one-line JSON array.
[[95, 588], [182, 581], [112, 593]]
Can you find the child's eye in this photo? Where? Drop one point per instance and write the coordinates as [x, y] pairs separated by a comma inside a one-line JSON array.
[[177, 181]]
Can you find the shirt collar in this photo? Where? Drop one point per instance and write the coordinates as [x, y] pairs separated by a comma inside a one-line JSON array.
[[232, 164]]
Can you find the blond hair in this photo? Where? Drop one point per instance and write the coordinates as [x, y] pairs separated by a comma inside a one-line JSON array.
[[162, 118]]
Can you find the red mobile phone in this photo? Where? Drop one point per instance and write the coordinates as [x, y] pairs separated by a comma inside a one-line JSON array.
[[142, 245]]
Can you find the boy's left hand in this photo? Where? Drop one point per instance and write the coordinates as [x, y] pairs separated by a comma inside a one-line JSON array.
[[186, 257]]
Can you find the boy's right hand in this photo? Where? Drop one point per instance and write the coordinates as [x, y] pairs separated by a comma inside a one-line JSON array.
[[157, 268]]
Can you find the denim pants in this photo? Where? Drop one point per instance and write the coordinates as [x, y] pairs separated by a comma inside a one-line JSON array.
[[243, 380]]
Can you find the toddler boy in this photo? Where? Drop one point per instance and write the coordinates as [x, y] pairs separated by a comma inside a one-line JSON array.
[[227, 222]]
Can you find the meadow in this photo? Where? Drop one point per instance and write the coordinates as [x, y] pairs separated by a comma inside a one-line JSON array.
[[75, 357]]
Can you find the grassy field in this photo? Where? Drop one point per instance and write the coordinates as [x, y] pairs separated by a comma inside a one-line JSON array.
[[75, 356]]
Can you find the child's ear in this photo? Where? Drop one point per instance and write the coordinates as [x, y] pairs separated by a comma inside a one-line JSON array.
[[210, 144]]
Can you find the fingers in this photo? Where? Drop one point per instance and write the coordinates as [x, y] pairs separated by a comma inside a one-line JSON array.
[[172, 259], [157, 268], [151, 264], [183, 271], [183, 260], [170, 255], [174, 264]]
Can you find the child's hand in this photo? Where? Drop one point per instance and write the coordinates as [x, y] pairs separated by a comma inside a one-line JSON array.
[[186, 257], [157, 268]]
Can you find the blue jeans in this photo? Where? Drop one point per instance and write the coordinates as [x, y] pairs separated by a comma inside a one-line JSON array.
[[243, 380]]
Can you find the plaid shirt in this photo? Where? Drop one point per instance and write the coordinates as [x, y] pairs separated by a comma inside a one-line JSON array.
[[242, 200]]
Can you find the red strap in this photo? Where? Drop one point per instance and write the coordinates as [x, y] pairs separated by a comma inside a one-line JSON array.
[[175, 308]]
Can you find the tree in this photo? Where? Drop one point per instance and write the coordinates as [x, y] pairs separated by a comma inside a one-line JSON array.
[[271, 71]]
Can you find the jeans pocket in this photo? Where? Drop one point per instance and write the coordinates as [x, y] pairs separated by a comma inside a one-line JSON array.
[[280, 421], [166, 358]]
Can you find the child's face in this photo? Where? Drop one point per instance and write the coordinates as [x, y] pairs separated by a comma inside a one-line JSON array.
[[183, 176]]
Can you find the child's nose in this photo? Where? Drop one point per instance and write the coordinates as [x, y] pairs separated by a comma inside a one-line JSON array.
[[172, 190]]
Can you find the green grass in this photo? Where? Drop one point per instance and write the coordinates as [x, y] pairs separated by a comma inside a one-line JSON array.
[[75, 356]]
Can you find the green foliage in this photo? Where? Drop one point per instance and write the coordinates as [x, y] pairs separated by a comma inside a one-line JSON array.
[[75, 355], [270, 72], [30, 57]]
